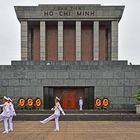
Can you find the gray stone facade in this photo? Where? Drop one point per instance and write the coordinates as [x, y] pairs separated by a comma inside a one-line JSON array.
[[115, 80], [112, 79]]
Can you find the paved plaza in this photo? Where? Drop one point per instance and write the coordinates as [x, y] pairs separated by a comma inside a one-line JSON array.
[[74, 130]]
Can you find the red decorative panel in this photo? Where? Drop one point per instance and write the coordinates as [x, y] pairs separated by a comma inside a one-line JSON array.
[[102, 44], [36, 44], [69, 99], [51, 41], [69, 96], [87, 41], [69, 42]]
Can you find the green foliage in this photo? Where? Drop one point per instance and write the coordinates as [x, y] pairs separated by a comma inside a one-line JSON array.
[[137, 95]]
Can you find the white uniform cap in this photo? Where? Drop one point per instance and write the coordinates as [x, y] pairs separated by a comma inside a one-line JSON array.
[[9, 99], [57, 98], [5, 98]]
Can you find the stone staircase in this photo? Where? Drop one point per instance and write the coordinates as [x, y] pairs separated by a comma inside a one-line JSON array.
[[76, 115]]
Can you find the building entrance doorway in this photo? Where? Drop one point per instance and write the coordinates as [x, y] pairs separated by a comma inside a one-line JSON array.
[[69, 97]]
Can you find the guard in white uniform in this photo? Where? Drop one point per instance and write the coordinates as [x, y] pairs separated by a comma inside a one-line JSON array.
[[4, 116], [57, 108], [81, 103], [12, 113]]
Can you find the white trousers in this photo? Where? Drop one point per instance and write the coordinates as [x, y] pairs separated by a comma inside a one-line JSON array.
[[57, 122], [11, 123], [5, 121], [53, 116], [81, 107]]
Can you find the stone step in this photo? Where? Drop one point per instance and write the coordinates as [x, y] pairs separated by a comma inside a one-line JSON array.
[[76, 111], [79, 116]]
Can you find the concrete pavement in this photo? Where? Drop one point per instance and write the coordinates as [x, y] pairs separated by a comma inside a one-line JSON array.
[[74, 130]]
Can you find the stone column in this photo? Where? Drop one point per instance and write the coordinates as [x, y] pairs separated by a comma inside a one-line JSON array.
[[96, 40], [114, 40], [24, 40], [60, 40], [78, 40], [109, 45], [42, 40], [29, 44]]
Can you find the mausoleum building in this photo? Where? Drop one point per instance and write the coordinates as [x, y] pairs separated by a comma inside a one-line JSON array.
[[71, 51]]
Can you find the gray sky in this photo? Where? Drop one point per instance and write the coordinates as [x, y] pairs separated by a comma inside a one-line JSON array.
[[129, 27]]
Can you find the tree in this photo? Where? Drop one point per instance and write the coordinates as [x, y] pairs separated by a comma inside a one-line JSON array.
[[137, 95]]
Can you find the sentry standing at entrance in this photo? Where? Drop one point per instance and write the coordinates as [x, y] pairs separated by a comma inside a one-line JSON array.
[[57, 108], [81, 103]]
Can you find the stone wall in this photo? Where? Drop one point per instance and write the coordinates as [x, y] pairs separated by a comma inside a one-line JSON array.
[[112, 79]]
